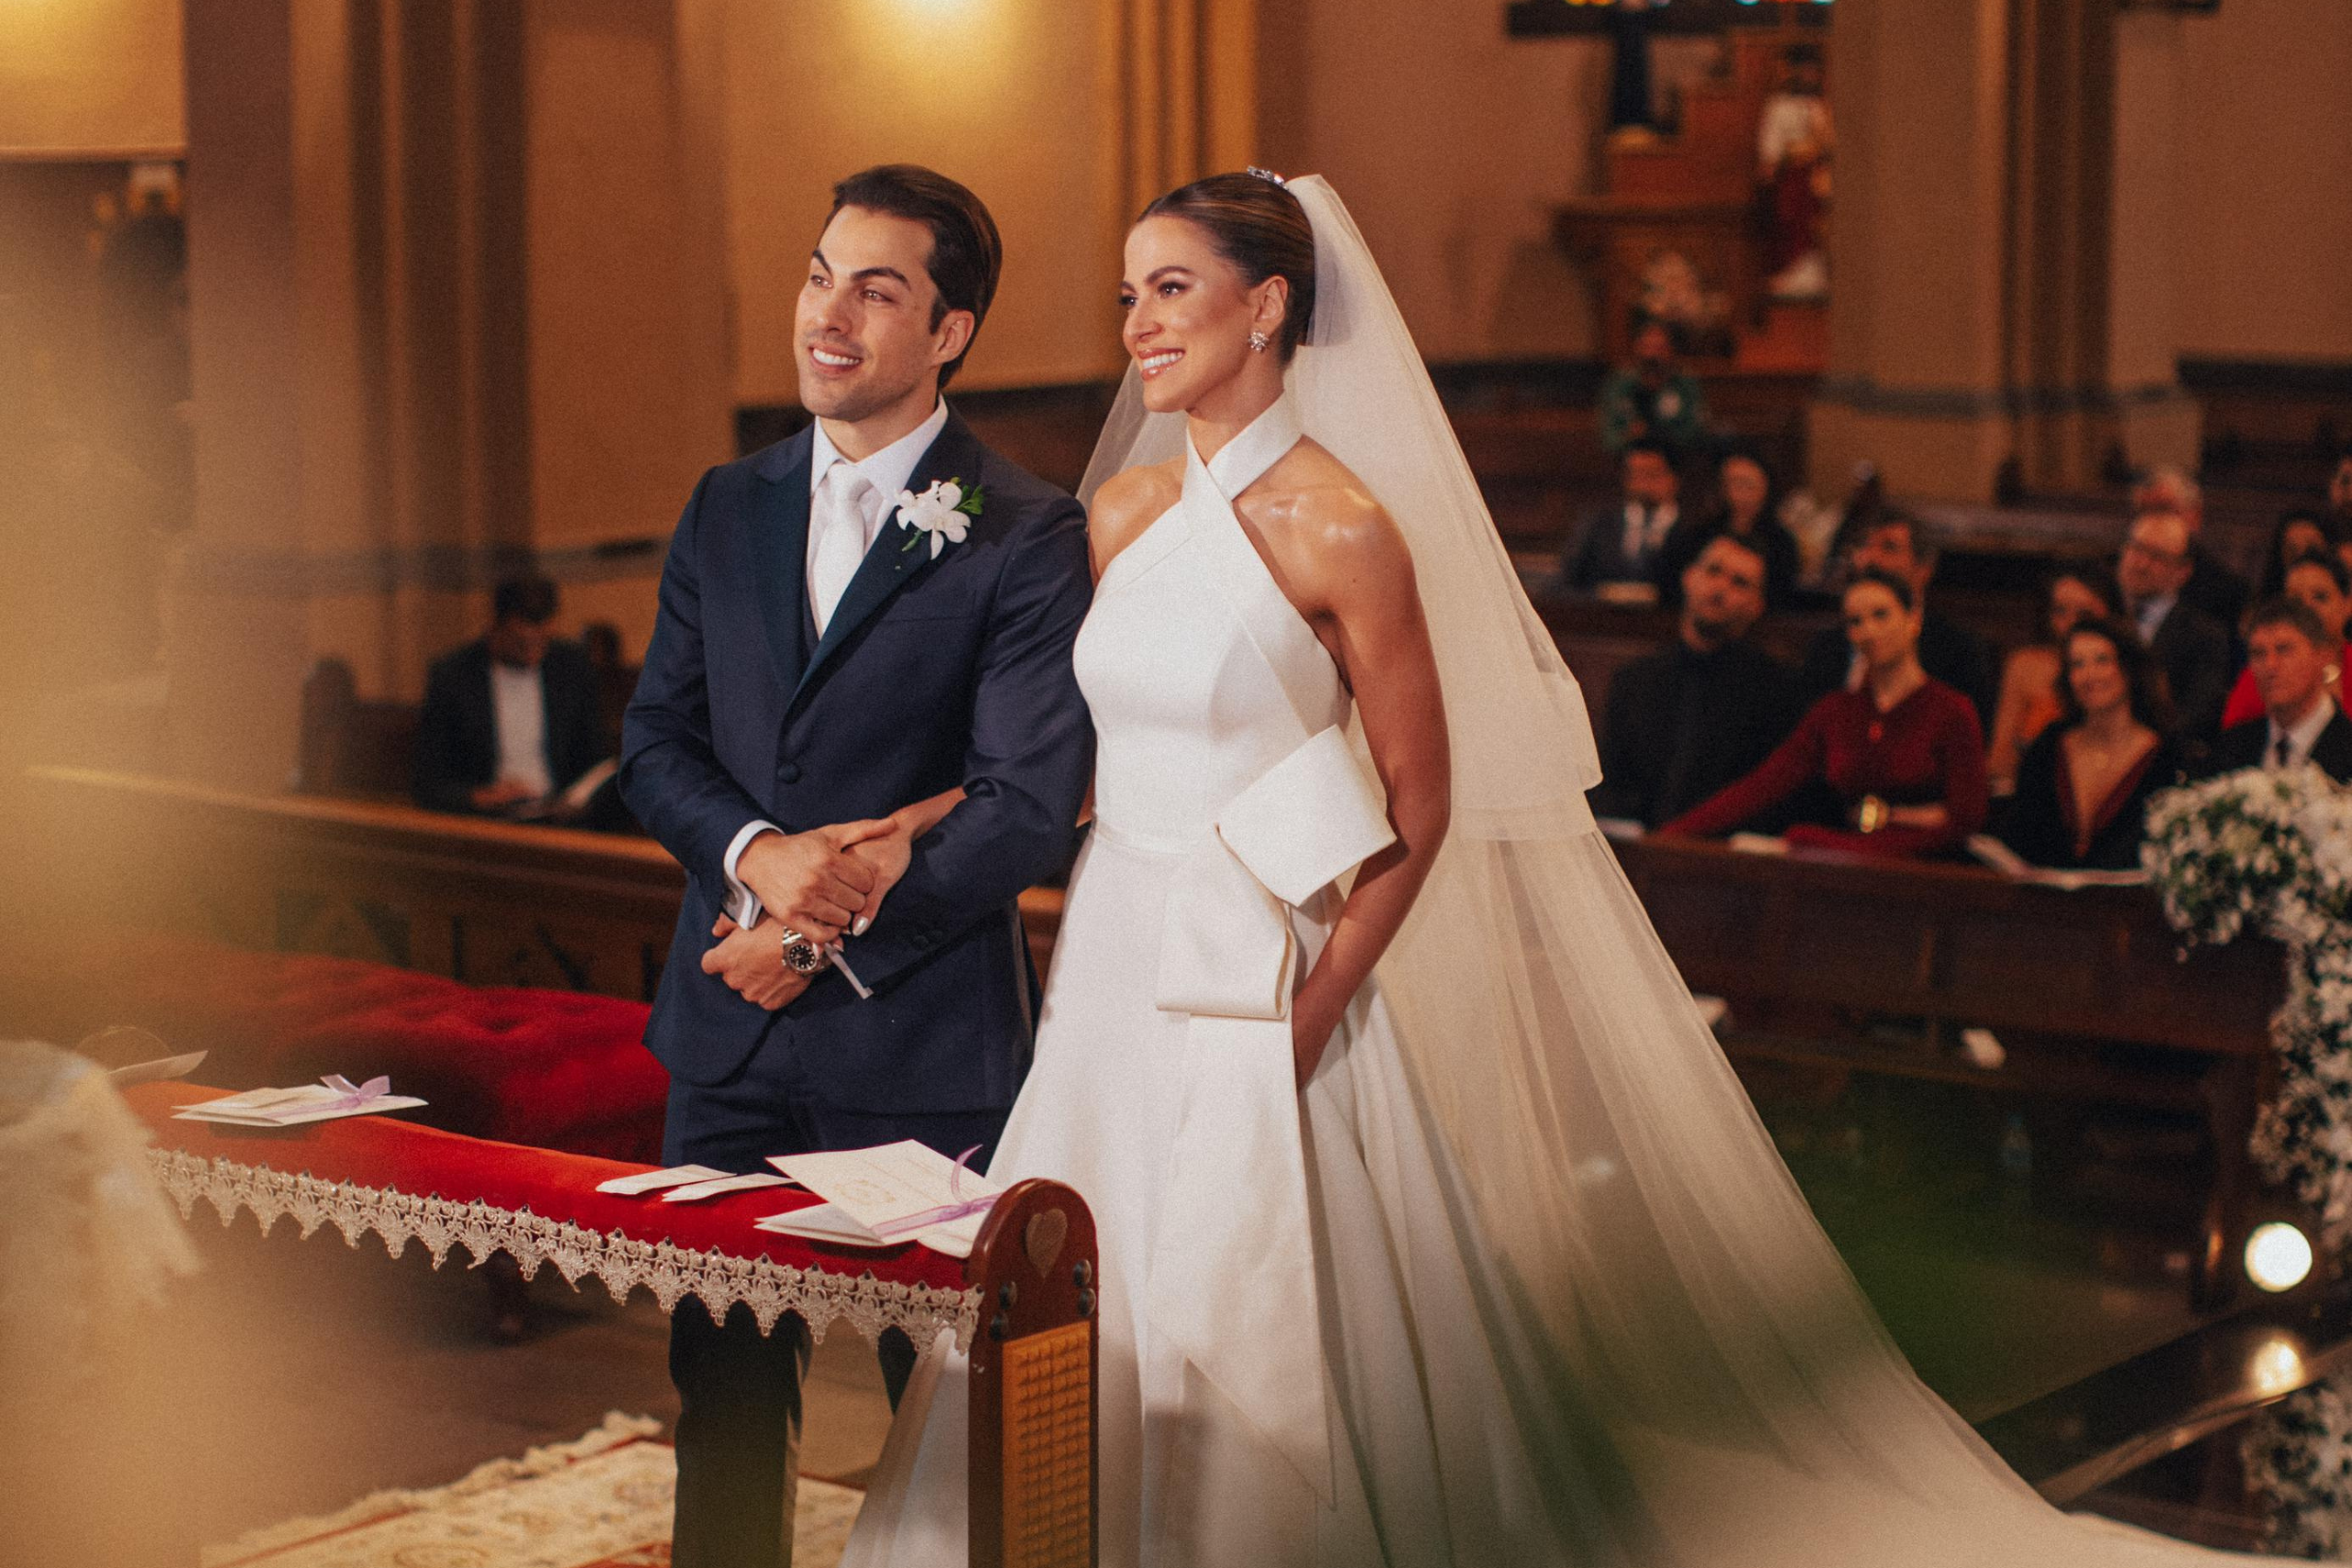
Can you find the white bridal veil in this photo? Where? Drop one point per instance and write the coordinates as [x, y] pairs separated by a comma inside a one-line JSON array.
[[1694, 1361]]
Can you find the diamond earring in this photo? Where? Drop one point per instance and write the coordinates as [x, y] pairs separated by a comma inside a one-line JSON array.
[[1260, 343]]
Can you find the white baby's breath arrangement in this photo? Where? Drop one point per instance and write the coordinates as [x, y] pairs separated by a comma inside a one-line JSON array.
[[2272, 851]]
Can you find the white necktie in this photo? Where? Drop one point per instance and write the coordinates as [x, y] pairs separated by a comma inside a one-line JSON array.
[[844, 502]]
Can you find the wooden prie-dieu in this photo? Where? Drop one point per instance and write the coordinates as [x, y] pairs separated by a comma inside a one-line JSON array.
[[1034, 1363], [1025, 1301]]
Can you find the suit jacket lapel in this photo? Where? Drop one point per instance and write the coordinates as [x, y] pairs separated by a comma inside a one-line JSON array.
[[2333, 748], [889, 565], [780, 554]]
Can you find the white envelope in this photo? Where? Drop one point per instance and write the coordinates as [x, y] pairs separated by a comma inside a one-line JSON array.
[[654, 1180], [701, 1190]]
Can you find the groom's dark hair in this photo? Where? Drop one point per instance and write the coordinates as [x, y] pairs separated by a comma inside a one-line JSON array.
[[966, 254]]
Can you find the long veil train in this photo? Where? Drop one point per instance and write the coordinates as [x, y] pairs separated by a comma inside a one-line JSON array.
[[1737, 1400]]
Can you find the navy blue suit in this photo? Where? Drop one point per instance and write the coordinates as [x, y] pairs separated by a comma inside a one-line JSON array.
[[932, 674]]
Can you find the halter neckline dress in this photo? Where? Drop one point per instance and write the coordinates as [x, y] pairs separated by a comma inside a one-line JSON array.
[[1298, 1334]]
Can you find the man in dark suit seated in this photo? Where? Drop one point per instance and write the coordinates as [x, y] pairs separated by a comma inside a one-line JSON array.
[[1615, 551], [510, 719], [1685, 721], [2291, 657], [2212, 586], [1897, 542], [2193, 648]]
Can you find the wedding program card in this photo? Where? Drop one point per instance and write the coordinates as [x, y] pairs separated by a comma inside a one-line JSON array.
[[821, 1222], [902, 1192], [293, 1107]]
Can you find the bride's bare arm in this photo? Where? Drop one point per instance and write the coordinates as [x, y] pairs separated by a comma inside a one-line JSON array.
[[887, 844], [1344, 562]]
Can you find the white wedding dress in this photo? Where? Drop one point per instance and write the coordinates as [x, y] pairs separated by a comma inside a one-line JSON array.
[[1519, 1279], [1306, 1383]]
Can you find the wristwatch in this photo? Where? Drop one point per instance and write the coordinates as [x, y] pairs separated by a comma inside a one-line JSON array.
[[801, 955], [1871, 815]]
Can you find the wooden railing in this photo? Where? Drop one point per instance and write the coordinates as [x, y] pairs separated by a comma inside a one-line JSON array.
[[2088, 990], [490, 903], [2086, 987]]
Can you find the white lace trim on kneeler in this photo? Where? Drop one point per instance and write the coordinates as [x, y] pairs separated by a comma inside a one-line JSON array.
[[621, 1262]]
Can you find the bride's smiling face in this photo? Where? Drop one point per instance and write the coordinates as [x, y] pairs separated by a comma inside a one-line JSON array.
[[1189, 313]]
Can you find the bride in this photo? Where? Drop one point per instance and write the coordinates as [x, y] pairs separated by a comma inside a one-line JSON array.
[[1435, 1228]]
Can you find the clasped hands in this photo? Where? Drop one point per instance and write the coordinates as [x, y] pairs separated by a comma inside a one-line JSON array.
[[825, 884]]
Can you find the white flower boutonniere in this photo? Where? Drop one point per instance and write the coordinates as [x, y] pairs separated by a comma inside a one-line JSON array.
[[943, 511]]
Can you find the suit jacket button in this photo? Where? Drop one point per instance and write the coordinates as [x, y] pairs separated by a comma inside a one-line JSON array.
[[788, 774]]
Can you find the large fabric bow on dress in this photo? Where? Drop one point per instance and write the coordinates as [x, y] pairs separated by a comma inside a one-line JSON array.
[[1233, 1274]]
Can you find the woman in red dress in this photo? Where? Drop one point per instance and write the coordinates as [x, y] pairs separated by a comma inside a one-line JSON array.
[[1902, 752]]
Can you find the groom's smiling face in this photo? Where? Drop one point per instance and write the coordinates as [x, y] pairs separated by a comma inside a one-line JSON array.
[[871, 335]]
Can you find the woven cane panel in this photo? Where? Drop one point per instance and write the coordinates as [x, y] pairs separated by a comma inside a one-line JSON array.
[[1047, 1492]]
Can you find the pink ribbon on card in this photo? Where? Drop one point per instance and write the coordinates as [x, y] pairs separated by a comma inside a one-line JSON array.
[[890, 1230], [351, 1097]]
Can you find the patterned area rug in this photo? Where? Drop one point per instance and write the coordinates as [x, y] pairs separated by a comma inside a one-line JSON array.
[[600, 1502]]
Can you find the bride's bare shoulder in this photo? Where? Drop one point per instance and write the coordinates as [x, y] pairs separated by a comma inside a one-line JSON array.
[[1324, 522], [1128, 502]]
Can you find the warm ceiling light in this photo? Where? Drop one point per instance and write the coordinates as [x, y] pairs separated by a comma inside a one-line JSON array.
[[2278, 1256]]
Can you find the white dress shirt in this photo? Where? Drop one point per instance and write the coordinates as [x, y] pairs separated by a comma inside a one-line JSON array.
[[2300, 738], [1646, 528], [2151, 614], [518, 702], [887, 471]]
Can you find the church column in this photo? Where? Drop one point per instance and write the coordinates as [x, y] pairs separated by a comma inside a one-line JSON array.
[[457, 307], [2095, 340], [2002, 287], [1919, 92], [272, 341], [1189, 92]]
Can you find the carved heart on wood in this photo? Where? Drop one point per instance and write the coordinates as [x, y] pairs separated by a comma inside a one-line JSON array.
[[1043, 1238]]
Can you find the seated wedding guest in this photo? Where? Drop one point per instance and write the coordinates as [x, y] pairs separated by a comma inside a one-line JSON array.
[[2212, 586], [1902, 751], [1896, 543], [1620, 544], [2083, 787], [2029, 697], [1683, 722], [2340, 494], [2293, 662], [510, 718], [2192, 647], [2321, 581], [1748, 507], [1653, 399], [2306, 531]]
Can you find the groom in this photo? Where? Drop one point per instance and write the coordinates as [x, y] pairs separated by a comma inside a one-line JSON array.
[[823, 660]]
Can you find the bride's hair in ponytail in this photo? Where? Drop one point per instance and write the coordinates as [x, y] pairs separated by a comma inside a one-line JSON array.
[[1259, 228]]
